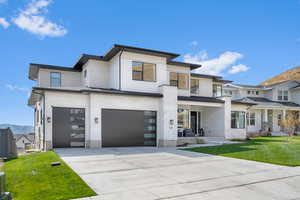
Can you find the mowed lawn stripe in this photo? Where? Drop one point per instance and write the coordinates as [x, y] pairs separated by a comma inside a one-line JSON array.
[[274, 150], [32, 177]]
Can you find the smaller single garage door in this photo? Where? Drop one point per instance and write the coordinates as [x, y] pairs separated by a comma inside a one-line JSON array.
[[122, 128], [68, 128]]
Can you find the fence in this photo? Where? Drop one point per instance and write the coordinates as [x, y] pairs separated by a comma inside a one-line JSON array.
[[8, 147]]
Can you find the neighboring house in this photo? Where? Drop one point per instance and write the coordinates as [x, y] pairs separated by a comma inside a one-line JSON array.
[[7, 144], [24, 141], [130, 97], [273, 103]]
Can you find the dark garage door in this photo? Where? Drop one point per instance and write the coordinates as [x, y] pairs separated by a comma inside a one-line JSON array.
[[68, 127], [122, 128]]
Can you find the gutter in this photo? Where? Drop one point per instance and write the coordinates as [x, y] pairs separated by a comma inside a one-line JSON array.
[[120, 68]]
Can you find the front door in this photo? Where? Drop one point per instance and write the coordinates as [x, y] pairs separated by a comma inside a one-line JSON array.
[[195, 121]]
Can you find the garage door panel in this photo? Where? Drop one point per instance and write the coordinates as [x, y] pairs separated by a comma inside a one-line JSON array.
[[124, 128], [68, 127]]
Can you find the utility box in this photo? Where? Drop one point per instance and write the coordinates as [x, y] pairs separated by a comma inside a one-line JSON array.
[[2, 183]]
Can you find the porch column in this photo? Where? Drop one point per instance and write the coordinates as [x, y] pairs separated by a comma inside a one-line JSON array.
[[266, 118], [227, 116], [167, 136], [283, 114]]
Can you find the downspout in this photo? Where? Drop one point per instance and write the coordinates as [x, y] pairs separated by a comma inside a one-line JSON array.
[[120, 69], [43, 120]]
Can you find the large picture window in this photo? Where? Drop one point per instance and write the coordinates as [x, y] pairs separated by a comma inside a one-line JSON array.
[[217, 90], [181, 80], [194, 86], [238, 119], [55, 79], [143, 71], [283, 95]]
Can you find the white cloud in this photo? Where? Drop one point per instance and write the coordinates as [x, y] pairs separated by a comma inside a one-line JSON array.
[[18, 88], [3, 1], [5, 24], [194, 43], [32, 19], [238, 68], [213, 66]]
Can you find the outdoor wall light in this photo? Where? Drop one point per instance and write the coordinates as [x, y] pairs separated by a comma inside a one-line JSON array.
[[49, 119], [96, 120]]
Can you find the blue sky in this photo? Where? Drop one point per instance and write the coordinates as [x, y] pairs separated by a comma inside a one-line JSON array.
[[245, 41]]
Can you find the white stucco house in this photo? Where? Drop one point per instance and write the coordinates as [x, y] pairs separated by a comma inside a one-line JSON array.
[[272, 104], [130, 97]]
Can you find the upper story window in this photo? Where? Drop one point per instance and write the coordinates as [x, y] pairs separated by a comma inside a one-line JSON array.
[[143, 71], [228, 92], [194, 86], [253, 92], [55, 79], [181, 80], [217, 90], [283, 95]]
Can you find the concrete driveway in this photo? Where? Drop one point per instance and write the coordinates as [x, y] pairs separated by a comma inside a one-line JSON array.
[[166, 173]]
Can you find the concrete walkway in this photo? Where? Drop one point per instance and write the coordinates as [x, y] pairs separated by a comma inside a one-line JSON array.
[[167, 173]]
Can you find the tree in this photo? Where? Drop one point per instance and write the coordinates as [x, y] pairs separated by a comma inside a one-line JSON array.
[[289, 123]]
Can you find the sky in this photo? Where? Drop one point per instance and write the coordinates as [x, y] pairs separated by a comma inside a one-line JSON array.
[[243, 41]]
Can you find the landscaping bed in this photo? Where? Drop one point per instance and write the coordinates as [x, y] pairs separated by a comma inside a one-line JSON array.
[[275, 150], [31, 177]]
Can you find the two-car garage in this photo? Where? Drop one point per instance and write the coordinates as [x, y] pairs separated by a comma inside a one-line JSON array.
[[119, 128]]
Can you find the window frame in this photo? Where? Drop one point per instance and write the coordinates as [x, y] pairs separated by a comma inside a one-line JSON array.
[[244, 116], [155, 75], [51, 83], [281, 94], [177, 80], [198, 84], [251, 116], [215, 92]]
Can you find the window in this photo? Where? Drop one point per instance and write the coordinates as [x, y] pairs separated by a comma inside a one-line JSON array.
[[251, 119], [143, 71], [55, 79], [181, 80], [194, 86], [238, 119], [279, 119], [283, 95], [249, 92], [183, 118], [257, 92], [217, 90], [84, 73]]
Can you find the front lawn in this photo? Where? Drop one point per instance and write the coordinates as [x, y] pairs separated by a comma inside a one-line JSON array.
[[275, 150], [31, 177]]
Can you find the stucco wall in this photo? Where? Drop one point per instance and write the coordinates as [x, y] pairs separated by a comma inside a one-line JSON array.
[[68, 79], [97, 73]]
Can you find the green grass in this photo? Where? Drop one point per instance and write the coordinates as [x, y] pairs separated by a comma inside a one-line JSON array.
[[275, 150], [31, 177]]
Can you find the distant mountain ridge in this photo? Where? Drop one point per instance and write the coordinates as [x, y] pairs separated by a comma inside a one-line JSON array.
[[18, 129], [291, 74]]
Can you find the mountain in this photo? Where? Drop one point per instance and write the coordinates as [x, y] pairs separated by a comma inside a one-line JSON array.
[[291, 74], [18, 129]]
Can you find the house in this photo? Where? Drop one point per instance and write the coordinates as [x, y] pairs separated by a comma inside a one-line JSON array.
[[7, 144], [273, 103], [130, 96], [24, 141]]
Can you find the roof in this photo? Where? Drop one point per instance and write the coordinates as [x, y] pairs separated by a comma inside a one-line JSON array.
[[247, 86], [184, 64], [84, 58], [29, 137], [34, 94], [242, 102], [5, 131], [214, 77], [201, 99], [264, 102], [34, 69]]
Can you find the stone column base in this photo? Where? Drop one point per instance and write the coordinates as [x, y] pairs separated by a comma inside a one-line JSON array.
[[167, 143], [93, 143]]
